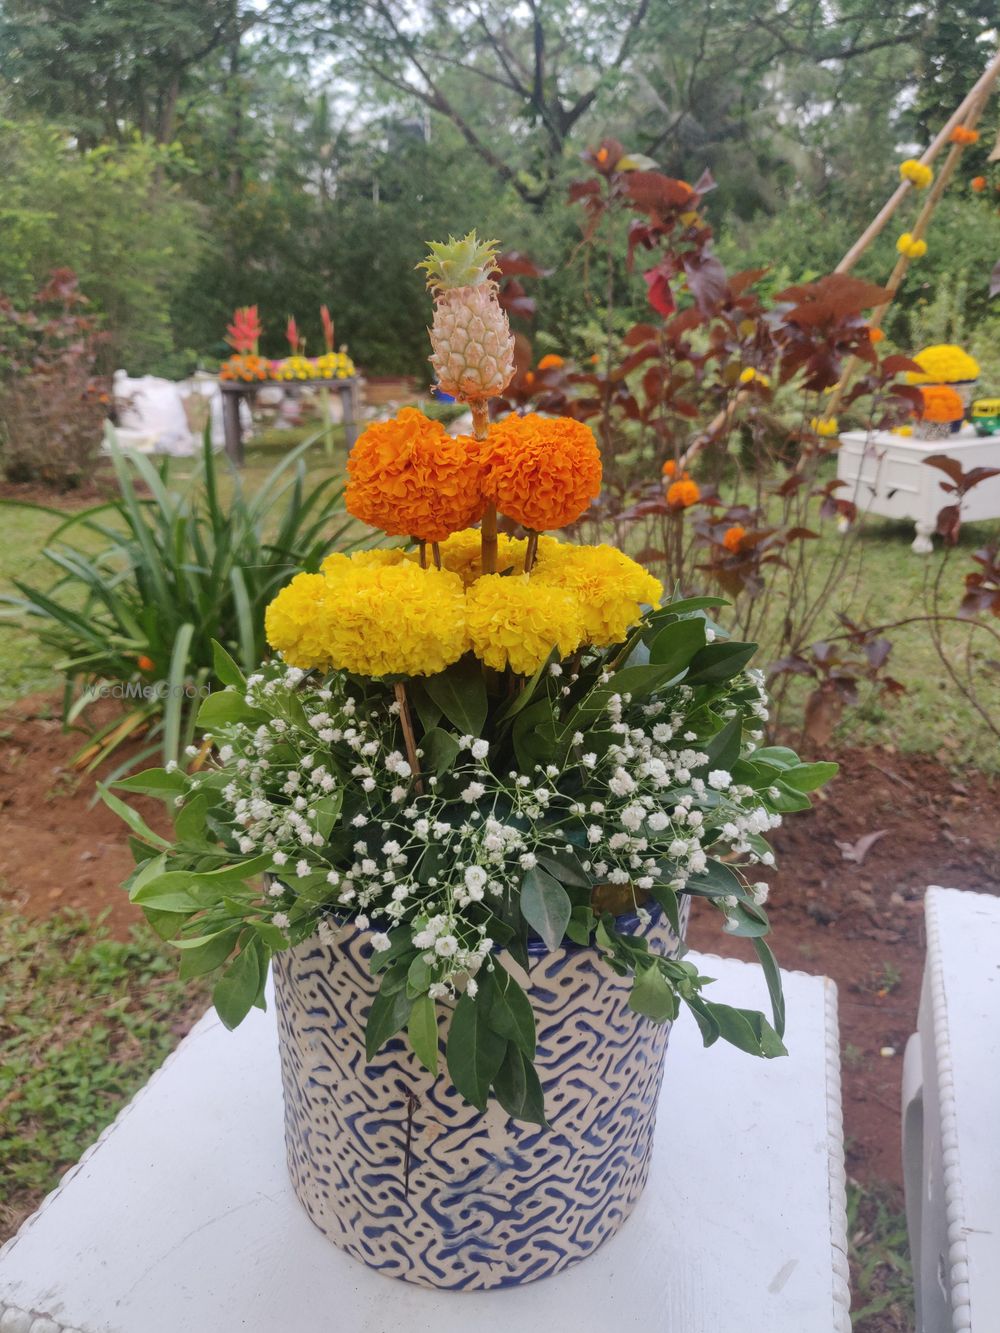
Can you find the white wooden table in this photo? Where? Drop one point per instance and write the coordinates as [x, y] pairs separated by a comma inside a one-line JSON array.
[[951, 1118], [886, 474], [181, 1218]]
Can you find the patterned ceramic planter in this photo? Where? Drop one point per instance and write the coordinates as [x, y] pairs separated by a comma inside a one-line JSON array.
[[401, 1173]]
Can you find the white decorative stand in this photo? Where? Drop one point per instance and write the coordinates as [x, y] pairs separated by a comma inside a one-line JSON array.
[[182, 1219], [951, 1118], [886, 474]]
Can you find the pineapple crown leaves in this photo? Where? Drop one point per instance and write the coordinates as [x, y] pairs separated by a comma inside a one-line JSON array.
[[468, 262]]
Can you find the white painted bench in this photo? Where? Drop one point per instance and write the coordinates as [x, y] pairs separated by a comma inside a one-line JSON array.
[[951, 1118], [181, 1218]]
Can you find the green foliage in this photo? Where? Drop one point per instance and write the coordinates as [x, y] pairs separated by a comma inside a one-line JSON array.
[[879, 1256], [115, 217], [85, 1020], [175, 570]]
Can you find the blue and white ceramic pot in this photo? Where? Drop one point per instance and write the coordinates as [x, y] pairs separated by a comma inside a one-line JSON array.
[[396, 1169]]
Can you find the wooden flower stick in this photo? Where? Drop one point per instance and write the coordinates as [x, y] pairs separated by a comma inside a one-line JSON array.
[[409, 735], [480, 425]]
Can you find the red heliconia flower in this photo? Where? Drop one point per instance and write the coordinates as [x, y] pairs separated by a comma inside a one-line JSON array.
[[243, 333], [292, 334], [324, 315]]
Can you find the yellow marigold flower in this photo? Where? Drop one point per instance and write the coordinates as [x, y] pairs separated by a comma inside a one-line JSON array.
[[917, 173], [516, 621], [540, 471], [825, 426], [684, 493], [944, 363], [336, 564], [610, 588], [409, 477], [748, 374], [372, 619], [906, 245], [462, 552], [902, 430]]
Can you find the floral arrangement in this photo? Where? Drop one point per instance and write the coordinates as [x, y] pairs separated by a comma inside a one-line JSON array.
[[243, 334], [475, 742], [962, 135], [943, 363]]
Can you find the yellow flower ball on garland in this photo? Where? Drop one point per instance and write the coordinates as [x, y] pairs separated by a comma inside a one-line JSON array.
[[409, 477], [371, 619], [542, 472], [917, 173], [463, 551], [610, 587], [513, 620]]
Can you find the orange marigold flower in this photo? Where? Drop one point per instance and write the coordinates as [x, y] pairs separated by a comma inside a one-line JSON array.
[[978, 183], [540, 471], [409, 477], [551, 361], [669, 468], [145, 663], [963, 136], [683, 493], [875, 335], [732, 537], [941, 403]]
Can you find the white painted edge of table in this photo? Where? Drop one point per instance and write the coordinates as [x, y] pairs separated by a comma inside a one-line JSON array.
[[13, 1319], [958, 1254]]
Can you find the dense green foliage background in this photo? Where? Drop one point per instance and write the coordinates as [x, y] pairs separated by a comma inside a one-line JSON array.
[[188, 157]]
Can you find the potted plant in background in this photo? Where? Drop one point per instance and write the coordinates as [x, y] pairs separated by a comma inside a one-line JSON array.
[[465, 811]]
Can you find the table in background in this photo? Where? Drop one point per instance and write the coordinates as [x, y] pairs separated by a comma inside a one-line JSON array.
[[886, 475], [234, 391], [181, 1219], [951, 1118]]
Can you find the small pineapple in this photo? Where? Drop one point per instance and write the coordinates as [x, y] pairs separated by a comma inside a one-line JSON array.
[[473, 346]]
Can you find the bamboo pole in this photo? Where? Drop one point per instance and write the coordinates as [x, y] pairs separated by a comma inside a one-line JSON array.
[[980, 90], [902, 264], [480, 426]]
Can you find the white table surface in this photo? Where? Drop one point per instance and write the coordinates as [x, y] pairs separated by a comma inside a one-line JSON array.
[[181, 1218], [953, 1158]]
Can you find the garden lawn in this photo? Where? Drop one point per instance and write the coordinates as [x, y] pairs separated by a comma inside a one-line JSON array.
[[84, 1021]]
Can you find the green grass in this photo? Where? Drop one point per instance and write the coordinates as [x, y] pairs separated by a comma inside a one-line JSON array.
[[878, 1251], [84, 1021]]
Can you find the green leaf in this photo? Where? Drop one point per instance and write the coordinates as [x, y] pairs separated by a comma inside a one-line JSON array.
[[534, 736], [509, 1009], [685, 605], [419, 977], [460, 693], [189, 826], [440, 749], [206, 954], [772, 975], [475, 1052], [788, 799], [581, 925], [652, 995], [517, 1087], [423, 1032], [155, 782], [807, 777], [387, 1015], [676, 644], [667, 898], [174, 704], [545, 905], [778, 755], [225, 707], [718, 662], [716, 881], [723, 749], [236, 990], [132, 818], [566, 867], [225, 668], [746, 1029]]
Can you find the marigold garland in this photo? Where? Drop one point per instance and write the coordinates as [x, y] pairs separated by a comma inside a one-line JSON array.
[[917, 173], [370, 619], [611, 588], [542, 472], [961, 134], [516, 621], [409, 477], [913, 249], [462, 552]]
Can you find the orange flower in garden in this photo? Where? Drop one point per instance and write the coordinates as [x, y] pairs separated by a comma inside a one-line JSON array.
[[551, 362], [145, 663], [409, 477], [669, 468], [542, 472], [941, 403], [684, 493], [875, 335], [978, 183], [963, 136], [732, 537]]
